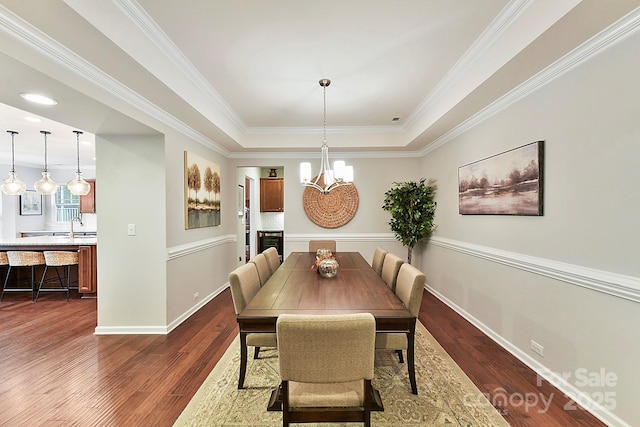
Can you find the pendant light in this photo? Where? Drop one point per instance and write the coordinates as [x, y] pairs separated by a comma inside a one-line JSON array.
[[12, 185], [45, 185], [78, 186], [331, 178]]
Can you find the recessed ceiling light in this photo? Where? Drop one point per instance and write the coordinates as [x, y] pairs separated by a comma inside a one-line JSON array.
[[395, 119], [32, 119], [38, 99]]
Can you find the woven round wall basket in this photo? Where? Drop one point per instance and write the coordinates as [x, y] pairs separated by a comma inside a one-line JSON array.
[[331, 210]]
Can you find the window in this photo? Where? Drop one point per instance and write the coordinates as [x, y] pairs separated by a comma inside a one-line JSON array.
[[67, 204]]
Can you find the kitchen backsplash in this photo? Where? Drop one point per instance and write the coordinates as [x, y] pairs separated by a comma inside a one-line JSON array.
[[272, 220]]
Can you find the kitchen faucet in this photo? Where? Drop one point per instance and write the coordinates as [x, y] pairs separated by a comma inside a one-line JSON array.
[[71, 222]]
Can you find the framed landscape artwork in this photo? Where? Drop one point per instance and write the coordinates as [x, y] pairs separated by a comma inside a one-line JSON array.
[[508, 183], [202, 192], [30, 203]]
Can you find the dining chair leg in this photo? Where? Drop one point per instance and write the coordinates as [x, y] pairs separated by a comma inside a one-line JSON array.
[[243, 359], [400, 357], [256, 353], [411, 359]]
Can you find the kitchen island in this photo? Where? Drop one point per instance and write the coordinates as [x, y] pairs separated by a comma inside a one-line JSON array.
[[86, 246]]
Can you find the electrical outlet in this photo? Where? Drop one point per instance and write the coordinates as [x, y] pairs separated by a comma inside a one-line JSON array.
[[538, 348], [196, 295]]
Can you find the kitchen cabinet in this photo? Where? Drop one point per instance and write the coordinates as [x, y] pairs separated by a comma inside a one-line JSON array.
[[88, 202], [87, 270], [271, 194]]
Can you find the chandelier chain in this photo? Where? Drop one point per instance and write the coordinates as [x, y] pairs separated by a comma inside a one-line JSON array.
[[45, 133], [324, 123], [13, 152], [78, 133]]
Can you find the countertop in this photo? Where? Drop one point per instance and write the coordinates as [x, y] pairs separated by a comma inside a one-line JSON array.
[[32, 233], [49, 241]]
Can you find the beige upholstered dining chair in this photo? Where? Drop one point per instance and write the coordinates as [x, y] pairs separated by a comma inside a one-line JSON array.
[[314, 245], [409, 289], [326, 367], [378, 258], [273, 258], [245, 284], [390, 268], [264, 271]]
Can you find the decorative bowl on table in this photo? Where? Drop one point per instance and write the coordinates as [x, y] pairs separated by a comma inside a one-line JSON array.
[[323, 253], [328, 267]]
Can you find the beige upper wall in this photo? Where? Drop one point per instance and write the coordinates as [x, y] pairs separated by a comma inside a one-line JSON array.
[[373, 176], [589, 120]]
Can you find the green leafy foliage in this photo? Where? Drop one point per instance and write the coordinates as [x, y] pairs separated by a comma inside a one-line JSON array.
[[412, 208]]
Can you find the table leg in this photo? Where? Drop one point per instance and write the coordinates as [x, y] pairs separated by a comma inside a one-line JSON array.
[[411, 357], [243, 359]]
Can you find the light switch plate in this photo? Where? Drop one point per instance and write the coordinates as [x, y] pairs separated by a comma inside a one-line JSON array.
[[131, 230]]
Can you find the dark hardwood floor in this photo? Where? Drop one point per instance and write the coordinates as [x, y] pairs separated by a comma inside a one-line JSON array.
[[55, 371]]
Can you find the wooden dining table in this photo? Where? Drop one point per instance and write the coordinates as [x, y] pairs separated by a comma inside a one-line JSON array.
[[297, 288]]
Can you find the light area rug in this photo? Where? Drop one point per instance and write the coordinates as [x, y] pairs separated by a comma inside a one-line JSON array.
[[446, 396]]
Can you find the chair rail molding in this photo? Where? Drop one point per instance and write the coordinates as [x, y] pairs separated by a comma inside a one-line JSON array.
[[618, 285], [199, 245], [345, 237]]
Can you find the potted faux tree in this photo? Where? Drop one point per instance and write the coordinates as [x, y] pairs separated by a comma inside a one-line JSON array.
[[412, 208]]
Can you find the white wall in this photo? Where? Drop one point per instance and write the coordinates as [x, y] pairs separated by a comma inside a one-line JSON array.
[[132, 277], [558, 279]]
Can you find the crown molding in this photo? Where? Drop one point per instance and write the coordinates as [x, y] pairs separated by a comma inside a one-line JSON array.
[[607, 38], [33, 38], [147, 26], [271, 154], [500, 24]]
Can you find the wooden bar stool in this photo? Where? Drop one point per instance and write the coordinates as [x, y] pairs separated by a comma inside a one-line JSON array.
[[58, 259], [29, 259]]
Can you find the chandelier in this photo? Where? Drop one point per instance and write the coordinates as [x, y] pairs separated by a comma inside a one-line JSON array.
[[45, 185], [12, 185], [78, 186], [327, 179]]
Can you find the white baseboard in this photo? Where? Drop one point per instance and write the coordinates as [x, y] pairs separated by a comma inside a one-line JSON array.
[[158, 330], [582, 399]]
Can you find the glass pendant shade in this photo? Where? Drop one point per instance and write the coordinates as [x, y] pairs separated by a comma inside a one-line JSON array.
[[45, 185], [78, 186], [12, 186], [305, 172]]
